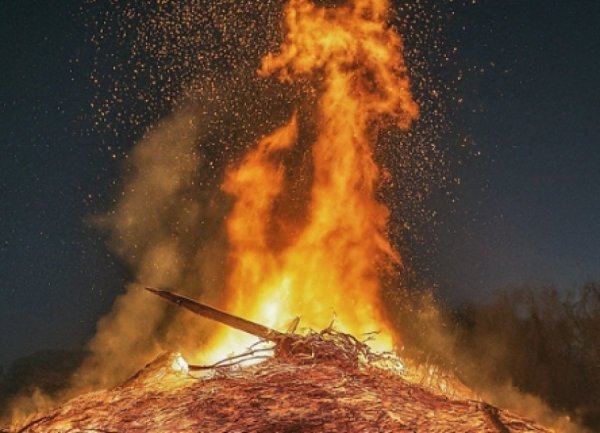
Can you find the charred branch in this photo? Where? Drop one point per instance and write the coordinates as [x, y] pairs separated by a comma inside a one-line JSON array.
[[217, 315]]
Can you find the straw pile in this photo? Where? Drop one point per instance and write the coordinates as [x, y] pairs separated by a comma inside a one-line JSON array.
[[322, 382]]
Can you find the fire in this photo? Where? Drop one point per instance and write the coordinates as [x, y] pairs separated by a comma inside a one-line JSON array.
[[179, 364], [331, 262]]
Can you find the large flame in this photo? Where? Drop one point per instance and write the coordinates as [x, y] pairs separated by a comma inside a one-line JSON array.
[[332, 261]]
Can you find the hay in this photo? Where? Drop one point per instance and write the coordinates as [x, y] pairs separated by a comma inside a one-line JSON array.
[[320, 382]]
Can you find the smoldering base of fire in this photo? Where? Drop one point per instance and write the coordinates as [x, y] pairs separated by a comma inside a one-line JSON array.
[[325, 381]]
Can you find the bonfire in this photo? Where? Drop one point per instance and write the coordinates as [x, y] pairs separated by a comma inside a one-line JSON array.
[[305, 255]]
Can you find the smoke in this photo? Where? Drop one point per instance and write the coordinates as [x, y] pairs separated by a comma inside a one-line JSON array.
[[434, 342], [166, 226], [23, 405], [164, 211]]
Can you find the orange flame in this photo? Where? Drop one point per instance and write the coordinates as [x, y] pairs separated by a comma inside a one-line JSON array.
[[332, 262]]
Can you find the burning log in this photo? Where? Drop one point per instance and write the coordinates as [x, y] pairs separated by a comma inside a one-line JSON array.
[[217, 315], [322, 346]]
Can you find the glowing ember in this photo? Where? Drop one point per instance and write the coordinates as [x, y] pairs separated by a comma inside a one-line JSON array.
[[179, 364], [332, 260]]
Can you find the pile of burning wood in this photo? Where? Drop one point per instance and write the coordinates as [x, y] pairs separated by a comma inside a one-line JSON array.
[[320, 382]]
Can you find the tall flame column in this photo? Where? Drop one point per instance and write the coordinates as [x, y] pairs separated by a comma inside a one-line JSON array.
[[335, 263]]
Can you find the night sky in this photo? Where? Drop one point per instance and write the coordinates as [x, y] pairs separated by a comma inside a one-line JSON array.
[[526, 211]]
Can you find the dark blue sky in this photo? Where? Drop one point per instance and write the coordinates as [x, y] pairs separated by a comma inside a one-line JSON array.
[[56, 276], [527, 209]]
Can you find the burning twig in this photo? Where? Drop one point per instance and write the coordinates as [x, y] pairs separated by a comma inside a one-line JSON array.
[[249, 355], [33, 423]]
